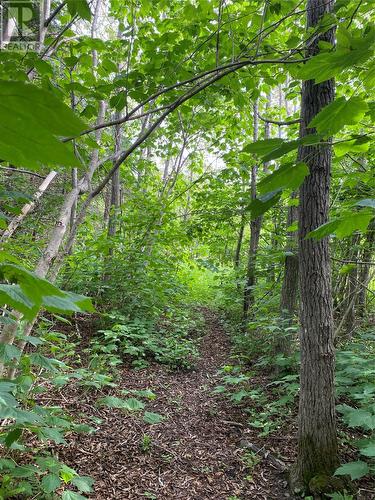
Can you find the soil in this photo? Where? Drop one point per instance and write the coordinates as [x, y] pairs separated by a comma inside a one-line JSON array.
[[198, 452]]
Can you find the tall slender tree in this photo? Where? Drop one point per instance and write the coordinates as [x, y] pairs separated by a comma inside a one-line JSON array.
[[317, 440]]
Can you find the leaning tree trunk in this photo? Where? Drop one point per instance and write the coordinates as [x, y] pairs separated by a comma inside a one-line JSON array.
[[317, 440]]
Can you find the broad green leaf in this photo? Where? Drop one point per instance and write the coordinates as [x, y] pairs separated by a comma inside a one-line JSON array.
[[71, 495], [344, 226], [289, 176], [368, 202], [329, 64], [263, 147], [31, 121], [25, 471], [332, 118], [50, 483], [368, 450], [359, 144], [68, 303], [118, 101], [8, 352], [83, 483], [360, 418], [152, 418], [288, 146], [133, 404], [79, 7], [51, 434], [130, 404], [12, 436], [260, 205], [16, 298], [355, 470]]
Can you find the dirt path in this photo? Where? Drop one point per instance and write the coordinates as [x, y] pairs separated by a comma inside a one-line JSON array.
[[194, 454]]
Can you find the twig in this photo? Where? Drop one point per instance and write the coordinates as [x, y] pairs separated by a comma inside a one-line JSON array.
[[276, 462], [21, 171]]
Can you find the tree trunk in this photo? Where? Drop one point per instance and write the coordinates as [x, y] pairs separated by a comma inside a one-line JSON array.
[[317, 440], [255, 225], [364, 275], [237, 254], [115, 184], [28, 207]]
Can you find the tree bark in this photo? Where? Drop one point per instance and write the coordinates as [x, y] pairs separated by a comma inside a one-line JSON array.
[[28, 207], [364, 275], [115, 184], [317, 440], [255, 225]]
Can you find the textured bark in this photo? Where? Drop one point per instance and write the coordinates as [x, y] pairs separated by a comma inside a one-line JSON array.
[[237, 254], [28, 207], [317, 441], [115, 184], [288, 301], [289, 288], [352, 288], [364, 275], [255, 225]]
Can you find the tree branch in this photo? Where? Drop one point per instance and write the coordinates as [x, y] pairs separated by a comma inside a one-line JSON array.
[[276, 122]]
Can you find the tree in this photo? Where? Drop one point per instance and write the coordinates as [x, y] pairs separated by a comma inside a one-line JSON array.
[[317, 440]]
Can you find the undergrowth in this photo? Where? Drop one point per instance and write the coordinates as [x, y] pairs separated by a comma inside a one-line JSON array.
[[266, 386]]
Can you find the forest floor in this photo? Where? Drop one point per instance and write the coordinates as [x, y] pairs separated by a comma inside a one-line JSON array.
[[196, 453]]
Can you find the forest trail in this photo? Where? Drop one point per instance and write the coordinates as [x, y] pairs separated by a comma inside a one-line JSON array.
[[194, 454]]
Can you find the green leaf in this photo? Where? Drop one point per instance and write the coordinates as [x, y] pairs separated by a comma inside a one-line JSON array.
[[133, 404], [332, 118], [355, 470], [152, 418], [79, 7], [289, 176], [68, 303], [327, 65], [288, 146], [368, 202], [360, 418], [15, 297], [31, 121], [260, 205], [50, 483], [12, 436], [83, 483], [343, 226], [8, 352], [358, 144], [71, 495], [130, 404], [263, 147], [368, 450]]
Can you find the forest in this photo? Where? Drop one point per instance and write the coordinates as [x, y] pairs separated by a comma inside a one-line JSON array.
[[187, 249]]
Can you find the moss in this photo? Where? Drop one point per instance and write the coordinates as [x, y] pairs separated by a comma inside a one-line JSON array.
[[322, 483]]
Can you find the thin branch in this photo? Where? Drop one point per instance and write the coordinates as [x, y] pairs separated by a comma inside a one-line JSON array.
[[54, 14], [276, 122], [358, 262], [22, 171], [354, 13], [232, 66]]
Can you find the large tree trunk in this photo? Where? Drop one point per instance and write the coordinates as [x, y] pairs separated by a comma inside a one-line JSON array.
[[317, 441]]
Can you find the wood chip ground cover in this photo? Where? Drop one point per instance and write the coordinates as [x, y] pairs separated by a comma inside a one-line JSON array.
[[196, 453]]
